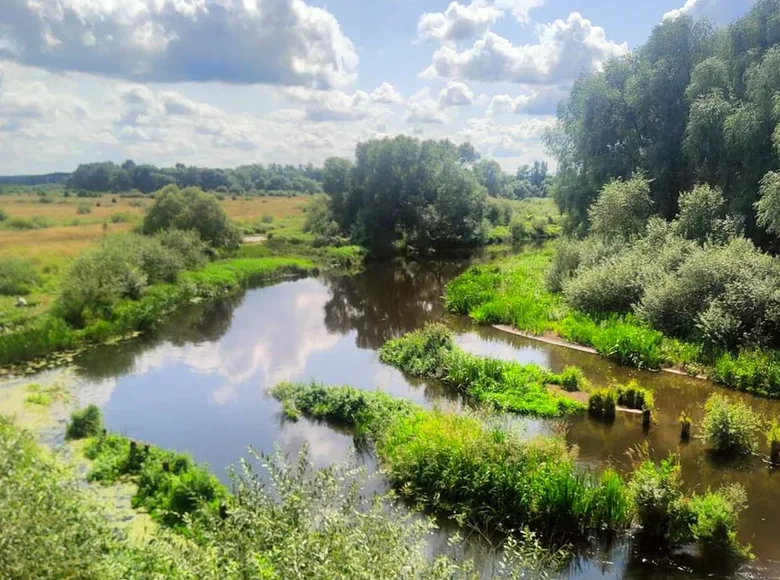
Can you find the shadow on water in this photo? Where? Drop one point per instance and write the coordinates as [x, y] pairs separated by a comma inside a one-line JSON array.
[[199, 385]]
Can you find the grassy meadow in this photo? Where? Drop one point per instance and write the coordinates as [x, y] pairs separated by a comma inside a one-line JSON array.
[[51, 235]]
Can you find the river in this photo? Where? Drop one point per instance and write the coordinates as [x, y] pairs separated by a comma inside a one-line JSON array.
[[198, 385]]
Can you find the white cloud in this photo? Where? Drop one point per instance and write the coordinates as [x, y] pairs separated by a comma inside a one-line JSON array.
[[720, 11], [531, 101], [519, 8], [386, 94], [511, 144], [455, 94], [337, 105], [421, 108], [565, 48], [458, 22], [461, 22], [284, 42]]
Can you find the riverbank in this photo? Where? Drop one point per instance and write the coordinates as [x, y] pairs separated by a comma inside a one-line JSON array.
[[511, 294], [49, 334]]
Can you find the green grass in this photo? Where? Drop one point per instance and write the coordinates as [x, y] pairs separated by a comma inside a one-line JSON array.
[[170, 486], [87, 422], [513, 291], [49, 333], [478, 473], [430, 353]]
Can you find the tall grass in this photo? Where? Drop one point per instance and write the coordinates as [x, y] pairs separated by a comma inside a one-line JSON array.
[[430, 353], [478, 473], [514, 291], [730, 427]]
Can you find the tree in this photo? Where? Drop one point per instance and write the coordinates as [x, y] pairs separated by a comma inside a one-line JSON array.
[[702, 211], [191, 209], [467, 154], [768, 205], [337, 183], [622, 208], [491, 176]]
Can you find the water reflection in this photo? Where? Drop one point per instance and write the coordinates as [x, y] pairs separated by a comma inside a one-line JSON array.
[[199, 385]]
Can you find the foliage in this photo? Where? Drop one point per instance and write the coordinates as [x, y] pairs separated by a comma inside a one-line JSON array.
[[715, 518], [657, 497], [730, 427], [602, 403], [572, 379], [481, 474], [170, 486], [768, 205], [17, 277], [407, 194], [622, 208], [702, 215], [88, 422], [191, 209], [50, 333], [122, 267], [693, 105], [430, 353], [773, 433], [258, 178]]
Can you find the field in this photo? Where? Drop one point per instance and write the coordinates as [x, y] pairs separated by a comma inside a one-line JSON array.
[[52, 234]]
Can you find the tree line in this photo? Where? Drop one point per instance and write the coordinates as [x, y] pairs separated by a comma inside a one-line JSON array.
[[695, 105], [110, 177]]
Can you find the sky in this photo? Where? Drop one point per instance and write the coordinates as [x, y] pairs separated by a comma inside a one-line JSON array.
[[222, 83]]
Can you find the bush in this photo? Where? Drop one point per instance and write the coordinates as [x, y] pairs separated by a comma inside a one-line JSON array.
[[121, 267], [3, 215], [187, 245], [17, 277], [730, 427], [119, 217], [715, 518], [519, 231], [87, 422], [571, 379], [656, 495], [84, 209], [191, 209], [622, 208]]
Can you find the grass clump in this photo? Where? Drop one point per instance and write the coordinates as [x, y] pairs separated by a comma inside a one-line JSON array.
[[45, 396], [88, 422], [572, 379], [17, 277], [602, 402], [730, 427], [170, 485], [431, 354], [478, 473]]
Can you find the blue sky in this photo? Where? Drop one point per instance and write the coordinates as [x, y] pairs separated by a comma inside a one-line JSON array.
[[228, 82]]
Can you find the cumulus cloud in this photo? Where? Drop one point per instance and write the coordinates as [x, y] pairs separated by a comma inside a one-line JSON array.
[[422, 109], [284, 42], [465, 21], [543, 101], [511, 144], [455, 94], [720, 11], [458, 22], [337, 105], [565, 48]]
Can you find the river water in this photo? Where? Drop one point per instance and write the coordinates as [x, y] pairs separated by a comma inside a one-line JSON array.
[[199, 384]]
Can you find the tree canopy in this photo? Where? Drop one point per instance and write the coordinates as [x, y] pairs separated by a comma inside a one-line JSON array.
[[694, 105], [403, 192]]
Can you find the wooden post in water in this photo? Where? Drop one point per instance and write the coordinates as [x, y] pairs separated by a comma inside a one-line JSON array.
[[774, 453], [646, 417], [685, 430]]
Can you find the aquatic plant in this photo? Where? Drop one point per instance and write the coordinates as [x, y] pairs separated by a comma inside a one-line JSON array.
[[773, 441], [430, 353], [87, 422], [685, 425], [480, 473], [603, 402], [730, 427], [572, 379]]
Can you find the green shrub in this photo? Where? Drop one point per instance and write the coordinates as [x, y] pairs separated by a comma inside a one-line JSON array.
[[656, 493], [187, 245], [632, 396], [715, 519], [730, 427], [773, 433], [519, 231], [84, 209], [191, 209], [17, 277], [3, 215], [88, 422], [119, 217]]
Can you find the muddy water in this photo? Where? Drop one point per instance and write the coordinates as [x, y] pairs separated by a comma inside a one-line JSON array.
[[199, 386]]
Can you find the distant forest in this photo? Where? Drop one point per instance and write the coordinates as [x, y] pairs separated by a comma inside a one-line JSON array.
[[528, 181], [695, 105]]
